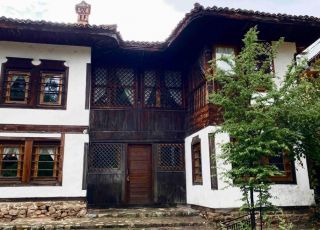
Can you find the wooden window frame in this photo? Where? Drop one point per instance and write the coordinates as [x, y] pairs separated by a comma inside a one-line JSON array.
[[213, 162], [171, 167], [43, 76], [111, 88], [196, 161], [288, 176], [27, 164], [162, 90], [7, 86], [34, 86], [18, 178]]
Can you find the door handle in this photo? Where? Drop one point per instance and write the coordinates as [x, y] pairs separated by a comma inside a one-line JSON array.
[[128, 178]]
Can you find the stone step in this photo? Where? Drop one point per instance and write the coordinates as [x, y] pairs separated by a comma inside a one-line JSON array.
[[190, 222], [143, 212]]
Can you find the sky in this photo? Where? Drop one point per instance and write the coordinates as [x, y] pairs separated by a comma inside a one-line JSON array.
[[143, 20]]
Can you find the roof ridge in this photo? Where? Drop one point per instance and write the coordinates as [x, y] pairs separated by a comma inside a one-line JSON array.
[[111, 27]]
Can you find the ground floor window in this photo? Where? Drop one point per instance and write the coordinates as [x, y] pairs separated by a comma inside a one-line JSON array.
[[196, 161], [213, 162], [31, 161], [285, 165], [170, 157]]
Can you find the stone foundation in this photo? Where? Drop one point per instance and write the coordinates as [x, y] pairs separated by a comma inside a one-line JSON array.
[[294, 215], [51, 209]]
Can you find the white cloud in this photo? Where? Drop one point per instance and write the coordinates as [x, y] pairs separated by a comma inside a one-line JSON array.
[[142, 19]]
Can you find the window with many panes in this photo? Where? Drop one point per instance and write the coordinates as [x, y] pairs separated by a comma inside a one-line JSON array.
[[162, 89], [170, 157], [196, 161], [35, 162], [11, 160], [284, 165], [26, 85], [16, 87], [52, 88], [114, 87], [105, 157]]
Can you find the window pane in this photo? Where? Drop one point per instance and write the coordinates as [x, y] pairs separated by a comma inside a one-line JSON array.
[[172, 94], [124, 96], [277, 161], [150, 97], [100, 77], [44, 161], [51, 89], [174, 97], [10, 162], [171, 157], [17, 87], [196, 161], [114, 87], [100, 96], [104, 156], [172, 79], [224, 52], [149, 78]]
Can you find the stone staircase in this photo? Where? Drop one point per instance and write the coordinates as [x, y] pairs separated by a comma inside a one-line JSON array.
[[181, 217]]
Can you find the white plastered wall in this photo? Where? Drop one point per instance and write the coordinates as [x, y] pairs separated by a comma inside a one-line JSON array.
[[76, 58], [226, 196], [283, 59]]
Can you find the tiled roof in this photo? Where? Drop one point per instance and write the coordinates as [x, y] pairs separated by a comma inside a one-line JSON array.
[[199, 11], [111, 28]]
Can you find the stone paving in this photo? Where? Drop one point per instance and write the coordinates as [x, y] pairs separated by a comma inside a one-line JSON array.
[[151, 218], [178, 218]]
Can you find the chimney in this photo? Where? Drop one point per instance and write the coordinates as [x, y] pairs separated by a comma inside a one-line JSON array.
[[83, 10]]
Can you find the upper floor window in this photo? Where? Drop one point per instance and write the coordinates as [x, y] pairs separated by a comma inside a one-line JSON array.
[[52, 87], [26, 85], [224, 52], [162, 89], [265, 60], [114, 87], [120, 87], [16, 87]]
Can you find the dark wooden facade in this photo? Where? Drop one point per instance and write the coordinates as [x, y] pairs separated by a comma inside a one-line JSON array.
[[126, 121], [137, 128]]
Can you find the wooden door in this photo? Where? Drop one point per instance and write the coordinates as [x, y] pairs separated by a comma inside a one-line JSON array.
[[139, 174]]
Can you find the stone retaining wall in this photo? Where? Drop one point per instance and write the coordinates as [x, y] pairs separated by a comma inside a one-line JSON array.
[[52, 209], [294, 215]]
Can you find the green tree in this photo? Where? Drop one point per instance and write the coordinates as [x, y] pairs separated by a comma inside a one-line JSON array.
[[263, 120]]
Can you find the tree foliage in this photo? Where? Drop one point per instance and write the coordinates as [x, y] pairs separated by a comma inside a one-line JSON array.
[[262, 119]]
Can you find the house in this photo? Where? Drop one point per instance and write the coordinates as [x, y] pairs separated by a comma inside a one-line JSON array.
[[85, 115]]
